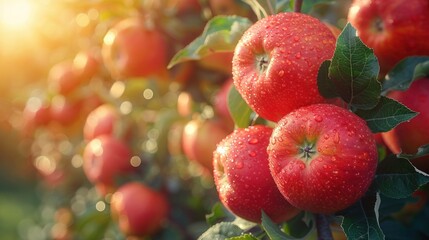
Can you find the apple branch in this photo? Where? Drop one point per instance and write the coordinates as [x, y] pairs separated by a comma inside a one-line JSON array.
[[297, 6], [323, 229]]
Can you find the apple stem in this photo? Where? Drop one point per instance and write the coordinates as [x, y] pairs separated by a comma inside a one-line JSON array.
[[297, 6], [323, 229]]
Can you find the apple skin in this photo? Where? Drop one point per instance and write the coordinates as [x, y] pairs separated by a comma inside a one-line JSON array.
[[105, 158], [35, 114], [276, 62], [140, 211], [200, 138], [394, 29], [132, 49], [243, 178], [409, 136], [322, 157], [65, 111], [103, 120]]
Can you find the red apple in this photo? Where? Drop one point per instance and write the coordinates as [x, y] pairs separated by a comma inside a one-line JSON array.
[[36, 113], [276, 62], [65, 111], [200, 138], [63, 78], [139, 210], [87, 64], [407, 137], [322, 157], [243, 178], [394, 29], [105, 158], [134, 48], [220, 103], [104, 120]]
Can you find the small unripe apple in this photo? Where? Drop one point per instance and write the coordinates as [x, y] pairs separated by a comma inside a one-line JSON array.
[[140, 211]]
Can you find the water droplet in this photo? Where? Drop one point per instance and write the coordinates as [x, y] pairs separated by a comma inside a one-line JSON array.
[[335, 172], [281, 73], [298, 55], [252, 153], [336, 137], [296, 39], [326, 136], [239, 165], [318, 118], [253, 141]]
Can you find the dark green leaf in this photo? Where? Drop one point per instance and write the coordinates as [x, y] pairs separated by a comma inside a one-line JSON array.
[[221, 33], [217, 214], [238, 108], [272, 229], [324, 83], [360, 221], [402, 75], [386, 115], [221, 231], [395, 230], [397, 178], [354, 71], [392, 205], [244, 237], [421, 151], [421, 70], [300, 226]]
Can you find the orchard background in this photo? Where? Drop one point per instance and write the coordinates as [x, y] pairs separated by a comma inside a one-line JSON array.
[[102, 94]]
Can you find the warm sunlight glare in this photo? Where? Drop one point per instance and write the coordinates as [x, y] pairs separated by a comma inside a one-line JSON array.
[[15, 14]]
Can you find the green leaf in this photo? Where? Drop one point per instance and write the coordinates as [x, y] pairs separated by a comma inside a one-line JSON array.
[[421, 70], [273, 229], [396, 230], [421, 151], [244, 237], [300, 226], [386, 115], [324, 83], [360, 221], [221, 231], [238, 108], [218, 213], [354, 71], [221, 33], [403, 74], [396, 177]]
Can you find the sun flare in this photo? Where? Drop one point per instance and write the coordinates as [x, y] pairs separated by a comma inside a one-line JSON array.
[[15, 15]]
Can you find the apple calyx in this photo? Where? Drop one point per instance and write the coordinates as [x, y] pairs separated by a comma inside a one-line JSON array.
[[307, 151], [262, 62], [378, 25]]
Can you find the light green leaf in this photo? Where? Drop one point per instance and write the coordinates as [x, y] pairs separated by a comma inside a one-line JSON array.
[[221, 231], [221, 33], [238, 108]]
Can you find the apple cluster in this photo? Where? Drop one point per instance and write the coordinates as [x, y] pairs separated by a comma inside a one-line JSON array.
[[159, 142]]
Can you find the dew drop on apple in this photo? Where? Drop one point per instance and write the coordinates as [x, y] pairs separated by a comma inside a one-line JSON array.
[[318, 118], [336, 138], [281, 73], [239, 164], [298, 55], [253, 141], [252, 153]]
